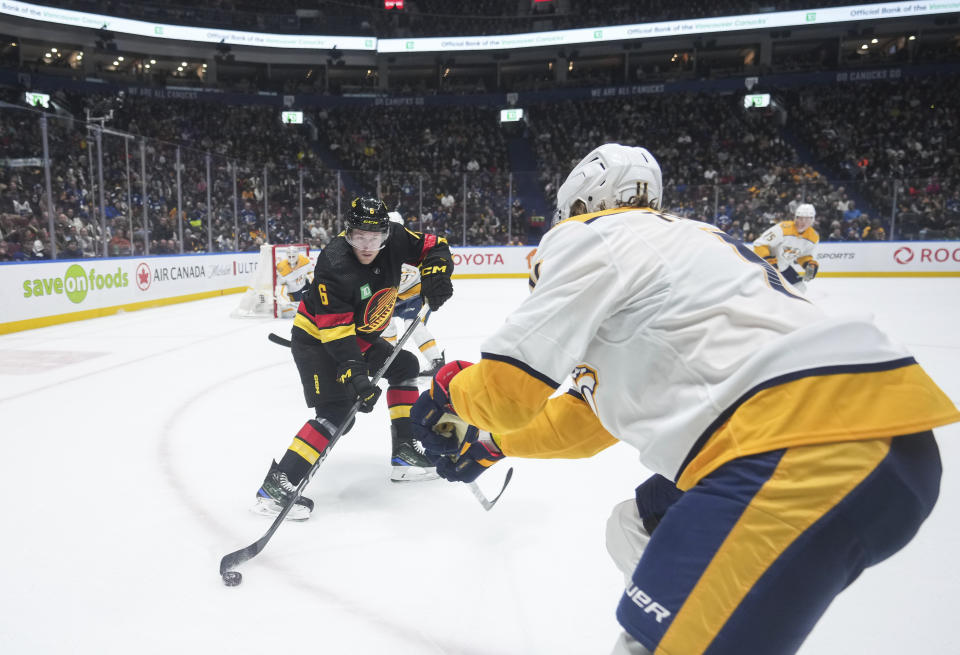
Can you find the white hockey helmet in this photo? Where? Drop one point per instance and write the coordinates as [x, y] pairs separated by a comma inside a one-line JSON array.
[[805, 210], [293, 255], [395, 217], [611, 176]]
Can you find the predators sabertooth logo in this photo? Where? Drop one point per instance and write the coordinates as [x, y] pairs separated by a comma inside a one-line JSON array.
[[585, 381], [379, 310]]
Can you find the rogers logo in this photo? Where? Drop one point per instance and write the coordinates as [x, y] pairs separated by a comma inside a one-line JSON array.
[[903, 255], [143, 276]]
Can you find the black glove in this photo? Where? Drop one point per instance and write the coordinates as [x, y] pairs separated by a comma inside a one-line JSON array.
[[353, 375], [810, 270], [475, 457], [435, 284]]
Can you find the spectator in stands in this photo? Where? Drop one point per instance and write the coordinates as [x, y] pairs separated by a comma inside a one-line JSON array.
[[852, 213]]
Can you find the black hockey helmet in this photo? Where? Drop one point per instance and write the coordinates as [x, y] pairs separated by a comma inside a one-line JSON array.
[[368, 214]]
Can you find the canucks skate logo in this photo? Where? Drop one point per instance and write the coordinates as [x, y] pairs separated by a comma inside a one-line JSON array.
[[585, 381], [377, 313]]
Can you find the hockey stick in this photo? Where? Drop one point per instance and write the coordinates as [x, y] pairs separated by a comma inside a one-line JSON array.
[[234, 559], [479, 495], [277, 339]]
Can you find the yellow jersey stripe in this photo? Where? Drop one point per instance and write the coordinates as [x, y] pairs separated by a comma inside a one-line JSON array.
[[566, 428], [410, 293], [586, 218], [326, 334], [837, 407], [498, 396], [815, 478]]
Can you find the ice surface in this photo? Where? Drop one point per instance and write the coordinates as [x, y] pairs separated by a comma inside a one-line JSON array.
[[132, 451]]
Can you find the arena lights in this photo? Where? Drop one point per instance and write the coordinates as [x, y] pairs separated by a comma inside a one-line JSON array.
[[35, 99], [559, 38], [756, 100]]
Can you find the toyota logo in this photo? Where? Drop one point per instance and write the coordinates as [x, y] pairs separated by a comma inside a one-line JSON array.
[[903, 255]]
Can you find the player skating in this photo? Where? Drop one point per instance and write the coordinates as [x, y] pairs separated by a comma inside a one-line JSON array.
[[802, 442], [409, 302], [792, 243], [336, 343]]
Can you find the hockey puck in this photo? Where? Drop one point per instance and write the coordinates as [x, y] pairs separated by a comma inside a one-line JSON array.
[[232, 578]]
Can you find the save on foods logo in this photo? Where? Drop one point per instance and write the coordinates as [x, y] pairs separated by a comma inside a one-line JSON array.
[[75, 284]]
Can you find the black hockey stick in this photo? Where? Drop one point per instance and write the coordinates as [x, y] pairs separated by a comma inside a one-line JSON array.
[[277, 339], [236, 558], [479, 495]]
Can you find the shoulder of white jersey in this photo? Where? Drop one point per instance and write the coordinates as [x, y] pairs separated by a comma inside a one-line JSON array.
[[586, 219], [302, 260], [789, 229], [776, 228]]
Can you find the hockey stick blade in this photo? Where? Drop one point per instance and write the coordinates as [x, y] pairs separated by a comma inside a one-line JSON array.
[[277, 339], [231, 560], [479, 495]]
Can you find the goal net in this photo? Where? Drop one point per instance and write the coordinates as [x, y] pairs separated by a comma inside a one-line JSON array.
[[267, 292]]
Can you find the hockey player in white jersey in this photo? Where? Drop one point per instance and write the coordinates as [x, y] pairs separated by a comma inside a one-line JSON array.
[[294, 274], [801, 443], [792, 243], [407, 308]]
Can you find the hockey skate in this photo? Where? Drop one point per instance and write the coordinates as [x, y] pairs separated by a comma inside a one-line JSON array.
[[276, 492], [410, 462], [435, 365]]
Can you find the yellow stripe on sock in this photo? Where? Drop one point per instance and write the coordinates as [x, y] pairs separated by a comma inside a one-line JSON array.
[[400, 411], [305, 450]]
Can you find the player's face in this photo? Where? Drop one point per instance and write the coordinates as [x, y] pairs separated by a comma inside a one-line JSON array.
[[366, 244], [803, 222]]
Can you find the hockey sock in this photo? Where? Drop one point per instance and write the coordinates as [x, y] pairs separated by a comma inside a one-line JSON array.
[[427, 344], [399, 401], [307, 446]]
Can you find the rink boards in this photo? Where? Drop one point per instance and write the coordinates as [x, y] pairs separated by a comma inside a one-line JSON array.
[[37, 294]]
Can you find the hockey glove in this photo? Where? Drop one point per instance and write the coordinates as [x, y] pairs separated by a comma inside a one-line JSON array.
[[434, 403], [475, 458], [810, 270], [353, 375], [435, 284]]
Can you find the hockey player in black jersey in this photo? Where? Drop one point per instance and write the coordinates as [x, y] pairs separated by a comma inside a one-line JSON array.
[[336, 344]]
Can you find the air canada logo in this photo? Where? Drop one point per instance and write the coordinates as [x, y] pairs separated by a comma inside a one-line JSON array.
[[143, 276], [903, 255]]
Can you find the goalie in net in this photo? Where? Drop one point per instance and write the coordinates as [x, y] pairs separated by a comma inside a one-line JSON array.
[[283, 272]]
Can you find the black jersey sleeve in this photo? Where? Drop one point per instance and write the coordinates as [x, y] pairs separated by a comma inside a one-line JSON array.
[[424, 246]]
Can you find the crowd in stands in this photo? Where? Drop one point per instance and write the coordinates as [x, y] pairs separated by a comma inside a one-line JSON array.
[[877, 160], [891, 142]]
